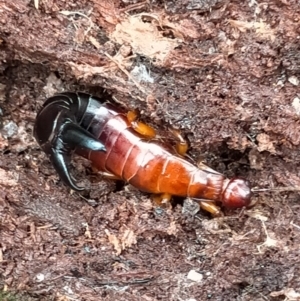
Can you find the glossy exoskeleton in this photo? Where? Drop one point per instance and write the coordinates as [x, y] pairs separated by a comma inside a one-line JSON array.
[[101, 132]]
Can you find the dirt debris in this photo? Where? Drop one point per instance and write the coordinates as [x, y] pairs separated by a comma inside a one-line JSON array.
[[227, 74]]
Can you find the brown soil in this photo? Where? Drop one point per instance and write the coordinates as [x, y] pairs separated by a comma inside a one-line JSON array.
[[227, 74]]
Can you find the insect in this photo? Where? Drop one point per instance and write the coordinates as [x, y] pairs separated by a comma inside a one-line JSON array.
[[121, 147]]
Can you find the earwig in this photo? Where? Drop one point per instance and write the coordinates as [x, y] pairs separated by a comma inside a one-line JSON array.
[[121, 147]]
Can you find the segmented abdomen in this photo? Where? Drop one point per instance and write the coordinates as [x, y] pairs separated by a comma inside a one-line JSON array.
[[146, 164]]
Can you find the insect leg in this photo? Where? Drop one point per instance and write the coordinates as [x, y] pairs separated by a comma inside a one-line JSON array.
[[210, 207], [162, 199], [142, 128], [108, 175], [182, 144]]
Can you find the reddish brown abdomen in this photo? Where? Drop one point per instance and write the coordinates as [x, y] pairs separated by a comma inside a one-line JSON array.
[[145, 164]]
